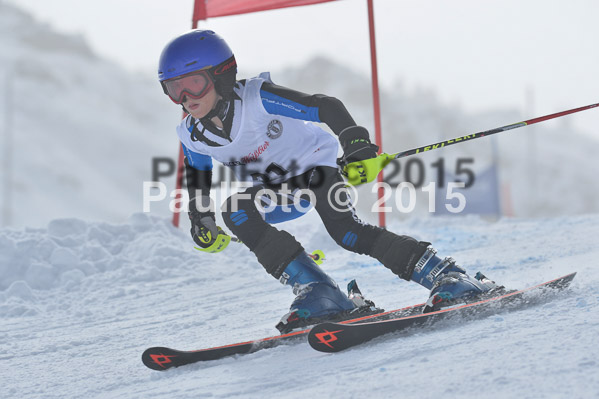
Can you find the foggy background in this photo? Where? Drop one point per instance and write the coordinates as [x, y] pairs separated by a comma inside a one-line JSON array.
[[83, 114]]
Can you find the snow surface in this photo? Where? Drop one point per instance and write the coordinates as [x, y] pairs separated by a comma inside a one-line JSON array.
[[80, 301]]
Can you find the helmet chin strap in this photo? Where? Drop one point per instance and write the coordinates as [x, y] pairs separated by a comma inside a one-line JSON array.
[[223, 110], [220, 110]]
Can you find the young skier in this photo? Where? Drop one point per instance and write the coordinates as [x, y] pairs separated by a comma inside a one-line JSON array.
[[257, 125]]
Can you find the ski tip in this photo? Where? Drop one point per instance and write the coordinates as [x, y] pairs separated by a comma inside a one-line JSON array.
[[328, 337], [160, 358], [561, 282]]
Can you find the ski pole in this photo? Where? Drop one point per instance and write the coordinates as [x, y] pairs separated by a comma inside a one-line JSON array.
[[366, 171]]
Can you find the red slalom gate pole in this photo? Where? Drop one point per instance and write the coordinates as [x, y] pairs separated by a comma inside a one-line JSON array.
[[376, 104]]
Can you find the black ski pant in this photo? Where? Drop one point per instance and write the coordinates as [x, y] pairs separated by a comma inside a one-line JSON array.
[[275, 249]]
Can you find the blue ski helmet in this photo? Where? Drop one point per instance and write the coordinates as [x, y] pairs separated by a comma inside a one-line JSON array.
[[199, 50]]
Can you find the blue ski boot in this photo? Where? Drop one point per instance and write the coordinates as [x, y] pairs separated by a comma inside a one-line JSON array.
[[448, 282], [318, 296]]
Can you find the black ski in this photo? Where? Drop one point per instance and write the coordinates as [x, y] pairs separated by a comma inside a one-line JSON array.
[[335, 337], [161, 358]]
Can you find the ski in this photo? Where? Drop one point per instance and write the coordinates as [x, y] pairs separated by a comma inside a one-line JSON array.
[[163, 358], [335, 337]]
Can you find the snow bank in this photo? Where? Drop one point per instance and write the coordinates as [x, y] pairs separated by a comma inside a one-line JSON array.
[[70, 252]]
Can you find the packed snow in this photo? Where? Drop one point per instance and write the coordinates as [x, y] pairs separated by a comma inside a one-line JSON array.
[[80, 301]]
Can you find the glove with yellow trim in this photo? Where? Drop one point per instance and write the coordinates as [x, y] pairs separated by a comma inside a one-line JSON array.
[[360, 163], [204, 231], [356, 145]]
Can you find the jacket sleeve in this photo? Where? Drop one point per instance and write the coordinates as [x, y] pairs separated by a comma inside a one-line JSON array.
[[279, 100], [198, 173]]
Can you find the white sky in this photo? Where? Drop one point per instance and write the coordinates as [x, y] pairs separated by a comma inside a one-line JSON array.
[[478, 54]]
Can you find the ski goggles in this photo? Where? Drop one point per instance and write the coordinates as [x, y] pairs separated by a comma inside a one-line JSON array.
[[195, 85]]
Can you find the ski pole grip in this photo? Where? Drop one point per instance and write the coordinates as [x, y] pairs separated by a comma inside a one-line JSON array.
[[366, 171]]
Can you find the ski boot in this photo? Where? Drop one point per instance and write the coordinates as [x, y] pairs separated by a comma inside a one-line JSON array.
[[448, 282], [318, 298]]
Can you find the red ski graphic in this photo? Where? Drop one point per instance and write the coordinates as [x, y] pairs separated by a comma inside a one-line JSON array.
[[326, 337]]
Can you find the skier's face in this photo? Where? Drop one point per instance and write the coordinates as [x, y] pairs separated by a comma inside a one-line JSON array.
[[199, 107]]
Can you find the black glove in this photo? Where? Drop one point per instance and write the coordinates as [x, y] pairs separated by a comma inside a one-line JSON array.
[[203, 223], [356, 145]]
